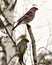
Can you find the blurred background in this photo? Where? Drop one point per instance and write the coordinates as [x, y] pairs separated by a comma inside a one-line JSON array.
[[41, 27]]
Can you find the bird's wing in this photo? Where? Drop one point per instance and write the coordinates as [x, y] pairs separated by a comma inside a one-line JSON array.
[[27, 15], [23, 18], [18, 46]]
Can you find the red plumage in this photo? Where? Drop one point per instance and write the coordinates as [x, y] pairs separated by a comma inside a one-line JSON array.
[[28, 17]]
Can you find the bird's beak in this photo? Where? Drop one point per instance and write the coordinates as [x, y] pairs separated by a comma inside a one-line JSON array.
[[27, 40], [36, 8]]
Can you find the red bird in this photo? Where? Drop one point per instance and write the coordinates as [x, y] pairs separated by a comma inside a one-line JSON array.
[[28, 17]]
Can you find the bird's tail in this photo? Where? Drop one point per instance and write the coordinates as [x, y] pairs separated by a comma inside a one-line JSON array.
[[14, 27], [19, 22]]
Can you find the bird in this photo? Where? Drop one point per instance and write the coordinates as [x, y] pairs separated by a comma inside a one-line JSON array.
[[21, 48], [28, 17]]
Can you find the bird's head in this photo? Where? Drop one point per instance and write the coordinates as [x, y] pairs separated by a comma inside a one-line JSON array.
[[25, 40], [33, 9]]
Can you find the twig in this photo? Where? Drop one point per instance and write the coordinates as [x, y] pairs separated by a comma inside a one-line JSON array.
[[33, 44], [45, 49], [9, 34]]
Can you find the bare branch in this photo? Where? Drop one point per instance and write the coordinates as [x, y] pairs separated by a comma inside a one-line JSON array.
[[9, 34], [45, 49], [33, 44]]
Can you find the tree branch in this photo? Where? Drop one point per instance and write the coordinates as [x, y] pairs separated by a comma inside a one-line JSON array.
[[9, 34], [33, 44]]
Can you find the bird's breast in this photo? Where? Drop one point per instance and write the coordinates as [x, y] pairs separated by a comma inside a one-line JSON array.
[[29, 19]]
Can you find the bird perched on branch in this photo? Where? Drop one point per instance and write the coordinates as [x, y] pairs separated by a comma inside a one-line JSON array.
[[21, 47], [28, 17]]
